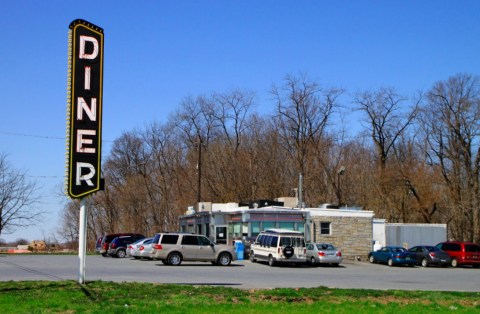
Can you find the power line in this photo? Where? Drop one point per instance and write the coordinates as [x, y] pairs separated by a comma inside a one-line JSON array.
[[33, 135], [40, 136]]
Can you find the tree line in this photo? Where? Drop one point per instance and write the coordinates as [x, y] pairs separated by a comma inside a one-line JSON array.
[[411, 159]]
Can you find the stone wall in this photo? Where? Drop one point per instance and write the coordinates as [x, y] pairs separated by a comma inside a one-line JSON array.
[[352, 235]]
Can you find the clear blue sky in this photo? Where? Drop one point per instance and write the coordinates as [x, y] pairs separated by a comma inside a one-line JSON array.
[[159, 52]]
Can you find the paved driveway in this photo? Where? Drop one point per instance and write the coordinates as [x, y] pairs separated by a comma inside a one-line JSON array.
[[241, 274]]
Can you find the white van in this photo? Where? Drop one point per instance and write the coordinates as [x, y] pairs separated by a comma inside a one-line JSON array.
[[279, 245]]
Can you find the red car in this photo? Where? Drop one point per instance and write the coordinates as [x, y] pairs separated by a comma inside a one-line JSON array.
[[462, 253]]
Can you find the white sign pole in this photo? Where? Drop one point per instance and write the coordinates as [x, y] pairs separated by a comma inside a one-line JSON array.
[[82, 240]]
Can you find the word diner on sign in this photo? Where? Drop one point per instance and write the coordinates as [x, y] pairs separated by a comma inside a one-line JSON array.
[[84, 108]]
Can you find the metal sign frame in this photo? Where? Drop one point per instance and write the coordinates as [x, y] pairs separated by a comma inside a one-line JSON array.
[[84, 108]]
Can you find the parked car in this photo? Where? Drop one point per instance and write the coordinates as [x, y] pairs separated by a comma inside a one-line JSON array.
[[133, 249], [118, 246], [144, 249], [173, 248], [430, 255], [279, 245], [98, 245], [106, 239], [462, 253], [392, 255], [323, 253]]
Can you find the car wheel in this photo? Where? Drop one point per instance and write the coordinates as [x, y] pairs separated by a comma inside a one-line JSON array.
[[174, 259], [371, 259], [454, 262], [312, 261], [121, 253], [271, 261], [252, 257], [224, 259], [390, 262], [424, 262]]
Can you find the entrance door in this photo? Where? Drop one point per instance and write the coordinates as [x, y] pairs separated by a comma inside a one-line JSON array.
[[221, 235]]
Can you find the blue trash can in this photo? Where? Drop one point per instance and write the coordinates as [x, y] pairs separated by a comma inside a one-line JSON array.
[[239, 248]]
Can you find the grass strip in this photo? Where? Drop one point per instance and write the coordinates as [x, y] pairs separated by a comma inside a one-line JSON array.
[[110, 297]]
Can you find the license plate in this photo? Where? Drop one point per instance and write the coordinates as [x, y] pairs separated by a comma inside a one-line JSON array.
[[407, 258]]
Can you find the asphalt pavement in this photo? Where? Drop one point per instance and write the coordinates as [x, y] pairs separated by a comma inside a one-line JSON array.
[[241, 274]]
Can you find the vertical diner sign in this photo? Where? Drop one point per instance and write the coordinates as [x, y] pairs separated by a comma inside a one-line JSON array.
[[84, 108]]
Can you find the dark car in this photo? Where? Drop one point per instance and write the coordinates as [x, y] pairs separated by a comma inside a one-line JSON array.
[[462, 253], [392, 255], [98, 245], [430, 255], [106, 239], [118, 246]]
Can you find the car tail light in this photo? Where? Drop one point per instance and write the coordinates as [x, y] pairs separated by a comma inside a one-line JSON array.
[[279, 251], [112, 245], [321, 253], [105, 246], [130, 247], [432, 254], [141, 248], [157, 246], [339, 253]]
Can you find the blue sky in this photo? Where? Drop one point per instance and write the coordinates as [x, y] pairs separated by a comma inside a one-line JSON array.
[[159, 52]]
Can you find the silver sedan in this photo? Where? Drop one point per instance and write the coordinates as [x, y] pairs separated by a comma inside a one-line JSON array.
[[323, 253]]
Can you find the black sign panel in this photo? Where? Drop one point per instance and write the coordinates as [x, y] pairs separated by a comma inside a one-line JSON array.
[[84, 112]]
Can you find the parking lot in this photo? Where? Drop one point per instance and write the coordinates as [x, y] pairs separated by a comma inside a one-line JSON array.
[[241, 274]]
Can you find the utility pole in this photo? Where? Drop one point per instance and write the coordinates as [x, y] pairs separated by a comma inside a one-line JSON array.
[[199, 171]]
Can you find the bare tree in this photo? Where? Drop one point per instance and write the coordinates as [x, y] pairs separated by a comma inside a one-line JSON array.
[[304, 110], [18, 199], [386, 118], [450, 123]]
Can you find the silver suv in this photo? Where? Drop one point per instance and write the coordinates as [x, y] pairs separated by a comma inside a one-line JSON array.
[[173, 248]]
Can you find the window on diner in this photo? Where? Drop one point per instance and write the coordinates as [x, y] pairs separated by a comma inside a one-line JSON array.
[[287, 225], [325, 228], [268, 225], [255, 228]]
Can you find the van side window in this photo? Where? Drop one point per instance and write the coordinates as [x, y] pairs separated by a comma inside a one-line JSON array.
[[268, 241], [471, 248], [189, 240], [259, 239], [274, 241], [169, 239], [203, 241]]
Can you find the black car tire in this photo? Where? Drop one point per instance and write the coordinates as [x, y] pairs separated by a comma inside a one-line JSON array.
[[252, 257], [224, 259], [174, 259], [121, 253], [371, 259], [424, 262], [271, 261], [454, 262], [390, 262], [104, 254], [312, 261]]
